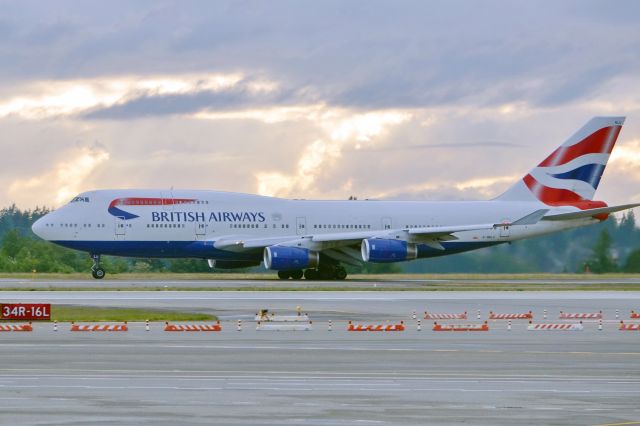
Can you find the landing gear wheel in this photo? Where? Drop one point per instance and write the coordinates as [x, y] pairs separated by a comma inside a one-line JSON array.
[[98, 273], [297, 274], [311, 274], [340, 273], [284, 275]]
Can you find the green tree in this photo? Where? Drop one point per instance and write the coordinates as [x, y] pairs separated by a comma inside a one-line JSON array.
[[633, 262], [12, 243], [601, 260]]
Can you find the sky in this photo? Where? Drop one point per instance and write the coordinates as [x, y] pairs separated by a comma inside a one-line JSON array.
[[424, 100]]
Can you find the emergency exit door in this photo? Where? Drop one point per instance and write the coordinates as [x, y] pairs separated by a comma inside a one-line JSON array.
[[301, 225]]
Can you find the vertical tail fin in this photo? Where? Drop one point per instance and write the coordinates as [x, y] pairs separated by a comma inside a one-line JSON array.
[[571, 174]]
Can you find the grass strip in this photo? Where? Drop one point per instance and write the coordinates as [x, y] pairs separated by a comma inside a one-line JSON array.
[[483, 286], [67, 313]]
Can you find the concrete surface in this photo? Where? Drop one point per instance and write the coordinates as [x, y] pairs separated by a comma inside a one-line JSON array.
[[325, 378]]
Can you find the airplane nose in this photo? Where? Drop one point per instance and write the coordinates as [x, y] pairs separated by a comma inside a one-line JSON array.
[[38, 228]]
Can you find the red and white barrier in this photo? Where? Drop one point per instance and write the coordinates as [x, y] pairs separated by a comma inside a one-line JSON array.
[[99, 327], [193, 327], [555, 327], [376, 327], [441, 316], [634, 315], [629, 327], [495, 316], [13, 327], [580, 316], [460, 327]]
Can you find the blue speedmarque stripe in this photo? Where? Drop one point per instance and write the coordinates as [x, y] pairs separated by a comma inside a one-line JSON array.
[[589, 173], [206, 250], [121, 213]]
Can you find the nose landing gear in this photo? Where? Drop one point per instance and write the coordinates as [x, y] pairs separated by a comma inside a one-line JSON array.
[[96, 271]]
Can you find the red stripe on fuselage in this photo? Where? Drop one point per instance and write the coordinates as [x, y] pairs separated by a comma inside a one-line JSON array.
[[141, 201], [599, 142]]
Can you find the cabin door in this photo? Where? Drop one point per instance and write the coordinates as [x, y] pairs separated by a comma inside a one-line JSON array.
[[504, 229], [121, 227], [201, 230], [301, 225]]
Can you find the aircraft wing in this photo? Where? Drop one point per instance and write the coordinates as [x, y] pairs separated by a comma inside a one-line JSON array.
[[589, 213], [320, 242], [344, 241]]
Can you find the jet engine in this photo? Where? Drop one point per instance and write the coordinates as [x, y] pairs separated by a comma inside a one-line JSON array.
[[387, 251], [231, 264], [290, 258]]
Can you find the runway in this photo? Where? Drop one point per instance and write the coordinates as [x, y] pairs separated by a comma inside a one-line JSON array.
[[326, 377], [351, 283]]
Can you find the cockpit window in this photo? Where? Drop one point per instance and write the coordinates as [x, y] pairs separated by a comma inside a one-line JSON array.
[[80, 200]]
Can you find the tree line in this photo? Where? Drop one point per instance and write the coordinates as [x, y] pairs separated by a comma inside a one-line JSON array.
[[611, 246]]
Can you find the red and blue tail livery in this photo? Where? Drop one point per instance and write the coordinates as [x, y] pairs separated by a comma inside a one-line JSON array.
[[572, 173]]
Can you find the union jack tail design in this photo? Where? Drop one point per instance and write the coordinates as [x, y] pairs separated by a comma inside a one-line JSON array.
[[571, 174]]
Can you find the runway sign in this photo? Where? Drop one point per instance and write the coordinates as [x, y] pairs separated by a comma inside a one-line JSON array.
[[26, 311]]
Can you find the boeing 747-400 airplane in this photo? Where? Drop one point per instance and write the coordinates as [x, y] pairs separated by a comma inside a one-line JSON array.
[[315, 239]]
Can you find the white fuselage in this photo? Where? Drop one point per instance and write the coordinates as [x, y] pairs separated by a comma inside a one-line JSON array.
[[188, 223]]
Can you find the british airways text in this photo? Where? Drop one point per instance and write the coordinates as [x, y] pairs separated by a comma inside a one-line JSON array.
[[212, 216]]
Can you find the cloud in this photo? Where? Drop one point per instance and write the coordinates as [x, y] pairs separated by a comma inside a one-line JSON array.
[[59, 184], [319, 156], [314, 100], [44, 99]]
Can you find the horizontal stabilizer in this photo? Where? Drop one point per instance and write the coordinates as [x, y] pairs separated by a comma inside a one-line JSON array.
[[590, 213]]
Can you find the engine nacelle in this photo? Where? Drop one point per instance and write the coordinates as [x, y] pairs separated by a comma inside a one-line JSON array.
[[387, 251], [231, 264], [290, 258]]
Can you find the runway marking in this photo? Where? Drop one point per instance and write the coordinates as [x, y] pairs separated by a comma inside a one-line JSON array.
[[381, 389], [619, 424], [389, 380]]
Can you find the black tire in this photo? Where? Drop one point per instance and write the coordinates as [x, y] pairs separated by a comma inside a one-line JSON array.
[[340, 273], [284, 275], [98, 273], [325, 274], [311, 274], [297, 274]]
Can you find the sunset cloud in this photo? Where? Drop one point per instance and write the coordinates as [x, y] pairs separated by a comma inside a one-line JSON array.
[[309, 100]]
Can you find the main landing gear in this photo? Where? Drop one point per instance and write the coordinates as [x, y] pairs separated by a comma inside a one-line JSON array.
[[328, 272], [96, 271]]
